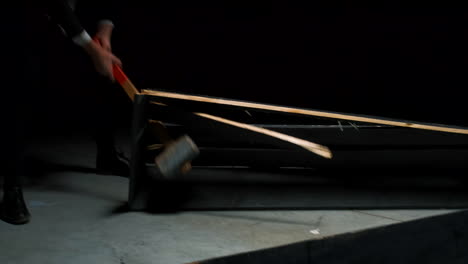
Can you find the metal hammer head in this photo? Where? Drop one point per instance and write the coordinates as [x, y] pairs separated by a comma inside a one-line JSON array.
[[172, 161]]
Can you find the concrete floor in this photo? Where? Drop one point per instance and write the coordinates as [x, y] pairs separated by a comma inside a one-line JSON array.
[[75, 220]]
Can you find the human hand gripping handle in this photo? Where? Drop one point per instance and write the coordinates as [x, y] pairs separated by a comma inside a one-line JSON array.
[[121, 78], [102, 59], [178, 154]]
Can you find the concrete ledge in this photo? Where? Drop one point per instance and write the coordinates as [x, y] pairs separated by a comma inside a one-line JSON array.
[[439, 239]]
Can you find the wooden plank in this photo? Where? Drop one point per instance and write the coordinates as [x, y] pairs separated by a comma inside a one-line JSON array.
[[214, 124], [174, 97]]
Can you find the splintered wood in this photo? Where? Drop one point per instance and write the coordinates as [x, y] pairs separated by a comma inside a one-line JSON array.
[[162, 133], [310, 146], [315, 148], [292, 110]]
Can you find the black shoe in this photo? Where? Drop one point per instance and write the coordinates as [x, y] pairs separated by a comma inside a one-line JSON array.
[[13, 209], [115, 164]]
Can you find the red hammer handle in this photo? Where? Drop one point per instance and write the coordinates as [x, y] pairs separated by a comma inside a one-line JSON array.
[[122, 78]]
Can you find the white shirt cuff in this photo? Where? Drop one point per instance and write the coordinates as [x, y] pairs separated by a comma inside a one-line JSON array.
[[82, 39], [106, 22]]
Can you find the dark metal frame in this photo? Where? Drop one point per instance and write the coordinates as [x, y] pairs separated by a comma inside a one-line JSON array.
[[355, 146]]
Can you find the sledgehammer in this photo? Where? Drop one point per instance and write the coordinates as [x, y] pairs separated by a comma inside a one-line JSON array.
[[173, 161], [177, 155]]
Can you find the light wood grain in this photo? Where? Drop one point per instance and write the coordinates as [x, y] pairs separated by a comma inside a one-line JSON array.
[[159, 129], [292, 110], [129, 89], [310, 146]]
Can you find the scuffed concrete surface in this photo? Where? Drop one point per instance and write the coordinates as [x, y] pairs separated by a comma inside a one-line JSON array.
[[76, 219]]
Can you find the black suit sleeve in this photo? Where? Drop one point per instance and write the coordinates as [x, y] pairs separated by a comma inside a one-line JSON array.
[[61, 12], [92, 12], [86, 15]]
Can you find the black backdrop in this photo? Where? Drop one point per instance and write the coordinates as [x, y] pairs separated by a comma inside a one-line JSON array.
[[391, 61]]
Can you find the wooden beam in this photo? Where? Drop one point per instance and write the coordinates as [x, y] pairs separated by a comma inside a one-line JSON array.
[[299, 111]]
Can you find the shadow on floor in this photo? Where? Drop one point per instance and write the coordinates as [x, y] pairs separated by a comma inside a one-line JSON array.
[[231, 189], [439, 239], [208, 189]]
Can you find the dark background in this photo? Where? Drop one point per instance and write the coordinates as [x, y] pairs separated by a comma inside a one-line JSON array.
[[384, 60]]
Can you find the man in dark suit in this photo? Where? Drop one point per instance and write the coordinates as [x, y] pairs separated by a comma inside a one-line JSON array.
[[64, 14]]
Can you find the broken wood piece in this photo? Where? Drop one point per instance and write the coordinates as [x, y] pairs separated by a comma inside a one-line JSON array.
[[323, 151], [173, 98], [160, 131], [202, 121], [310, 146], [153, 147]]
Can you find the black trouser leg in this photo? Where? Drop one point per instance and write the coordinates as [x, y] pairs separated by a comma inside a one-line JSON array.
[[14, 86], [105, 114], [103, 117], [13, 154]]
